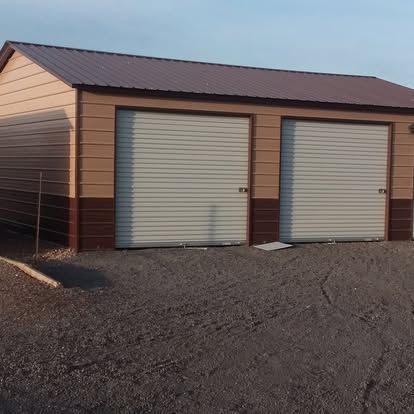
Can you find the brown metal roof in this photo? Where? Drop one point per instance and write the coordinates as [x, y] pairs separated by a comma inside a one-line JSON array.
[[79, 67]]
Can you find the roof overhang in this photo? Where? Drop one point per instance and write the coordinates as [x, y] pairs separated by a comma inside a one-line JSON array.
[[5, 53], [244, 99], [10, 47]]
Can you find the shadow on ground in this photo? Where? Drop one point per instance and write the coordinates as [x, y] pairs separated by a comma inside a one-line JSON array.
[[72, 276], [21, 246], [52, 261]]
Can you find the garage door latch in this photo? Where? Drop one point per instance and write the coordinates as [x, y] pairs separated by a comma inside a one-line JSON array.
[[382, 191], [242, 189]]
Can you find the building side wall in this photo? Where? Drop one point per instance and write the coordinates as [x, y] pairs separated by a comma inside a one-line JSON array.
[[97, 161], [37, 134]]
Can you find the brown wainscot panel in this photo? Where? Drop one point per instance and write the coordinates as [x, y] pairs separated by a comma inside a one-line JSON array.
[[97, 226], [401, 224], [264, 220]]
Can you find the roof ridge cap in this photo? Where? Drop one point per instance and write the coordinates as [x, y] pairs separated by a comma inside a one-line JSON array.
[[11, 42]]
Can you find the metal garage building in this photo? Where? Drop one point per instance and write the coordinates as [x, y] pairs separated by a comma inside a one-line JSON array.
[[140, 151]]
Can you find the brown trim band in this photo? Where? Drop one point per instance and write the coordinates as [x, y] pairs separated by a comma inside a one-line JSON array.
[[400, 223], [96, 223], [97, 226], [264, 220]]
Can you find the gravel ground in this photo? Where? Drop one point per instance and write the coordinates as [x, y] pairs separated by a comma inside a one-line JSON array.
[[316, 328]]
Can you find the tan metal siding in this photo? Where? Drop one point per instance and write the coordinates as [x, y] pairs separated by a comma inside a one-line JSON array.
[[37, 122], [402, 162], [330, 177], [37, 133], [177, 179]]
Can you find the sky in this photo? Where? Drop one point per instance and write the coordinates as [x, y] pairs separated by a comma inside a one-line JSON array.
[[366, 37]]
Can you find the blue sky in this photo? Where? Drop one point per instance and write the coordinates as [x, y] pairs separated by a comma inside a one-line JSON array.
[[345, 36]]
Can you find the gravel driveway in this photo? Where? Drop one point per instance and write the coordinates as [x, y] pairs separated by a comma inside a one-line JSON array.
[[316, 328]]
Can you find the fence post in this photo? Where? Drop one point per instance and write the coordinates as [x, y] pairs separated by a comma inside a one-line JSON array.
[[38, 217]]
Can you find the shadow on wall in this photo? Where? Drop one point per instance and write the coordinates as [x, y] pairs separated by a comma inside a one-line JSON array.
[[30, 144], [212, 218], [72, 276]]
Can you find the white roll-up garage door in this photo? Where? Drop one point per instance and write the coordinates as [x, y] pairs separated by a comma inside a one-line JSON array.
[[179, 179], [333, 177]]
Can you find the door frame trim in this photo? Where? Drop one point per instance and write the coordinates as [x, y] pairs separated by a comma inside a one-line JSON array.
[[388, 182]]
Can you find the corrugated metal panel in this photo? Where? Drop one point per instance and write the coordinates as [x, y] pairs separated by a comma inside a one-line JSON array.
[[92, 68], [37, 132], [177, 179], [330, 177]]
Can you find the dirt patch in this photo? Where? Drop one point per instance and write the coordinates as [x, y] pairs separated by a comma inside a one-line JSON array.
[[55, 255], [316, 328]]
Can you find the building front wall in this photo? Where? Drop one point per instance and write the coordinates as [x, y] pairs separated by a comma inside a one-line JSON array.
[[37, 135], [97, 161]]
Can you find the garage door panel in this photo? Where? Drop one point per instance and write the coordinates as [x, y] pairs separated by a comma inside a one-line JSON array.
[[335, 150], [173, 135], [340, 128], [184, 189], [170, 241], [345, 160], [159, 176], [340, 136], [330, 176], [183, 146], [178, 201], [181, 129], [169, 163], [338, 175], [178, 177], [156, 119], [165, 215], [337, 144]]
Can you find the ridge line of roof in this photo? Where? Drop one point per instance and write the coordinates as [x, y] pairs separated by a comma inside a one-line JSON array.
[[14, 42]]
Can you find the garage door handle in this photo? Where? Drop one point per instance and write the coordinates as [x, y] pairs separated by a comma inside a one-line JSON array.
[[242, 189], [382, 190]]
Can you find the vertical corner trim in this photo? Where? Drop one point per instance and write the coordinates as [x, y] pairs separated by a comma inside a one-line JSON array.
[[77, 153]]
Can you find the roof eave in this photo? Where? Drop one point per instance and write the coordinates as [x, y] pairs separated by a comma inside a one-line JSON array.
[[244, 99]]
